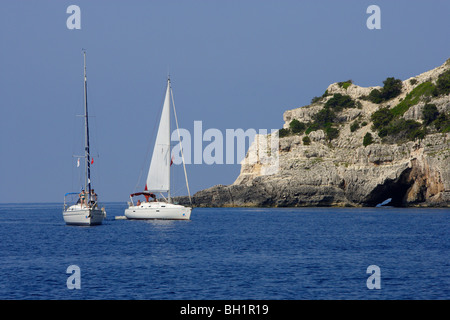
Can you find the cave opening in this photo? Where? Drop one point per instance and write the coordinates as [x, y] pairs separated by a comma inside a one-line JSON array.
[[396, 190]]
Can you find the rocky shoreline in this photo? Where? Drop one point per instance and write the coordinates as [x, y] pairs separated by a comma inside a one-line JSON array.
[[337, 165]]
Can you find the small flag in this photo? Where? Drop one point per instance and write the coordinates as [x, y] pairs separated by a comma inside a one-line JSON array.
[[92, 161], [78, 162], [171, 161]]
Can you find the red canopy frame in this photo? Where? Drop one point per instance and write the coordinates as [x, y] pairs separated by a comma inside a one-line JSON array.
[[143, 194], [146, 194]]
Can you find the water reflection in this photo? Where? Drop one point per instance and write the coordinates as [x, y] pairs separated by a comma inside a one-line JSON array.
[[161, 224]]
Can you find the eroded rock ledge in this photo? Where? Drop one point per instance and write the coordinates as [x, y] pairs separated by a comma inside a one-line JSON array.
[[344, 172]]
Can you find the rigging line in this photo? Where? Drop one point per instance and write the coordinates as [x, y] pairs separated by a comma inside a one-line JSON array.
[[95, 138], [95, 141], [76, 143], [181, 145], [73, 149], [72, 188]]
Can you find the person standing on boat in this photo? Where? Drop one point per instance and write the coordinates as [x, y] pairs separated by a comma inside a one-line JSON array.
[[93, 197], [82, 196]]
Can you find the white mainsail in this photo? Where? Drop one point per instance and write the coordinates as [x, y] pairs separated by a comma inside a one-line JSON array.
[[158, 179]]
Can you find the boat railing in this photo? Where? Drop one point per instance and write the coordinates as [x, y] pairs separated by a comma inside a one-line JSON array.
[[71, 194], [70, 199]]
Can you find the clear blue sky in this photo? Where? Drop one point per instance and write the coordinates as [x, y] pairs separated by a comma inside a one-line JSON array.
[[233, 64]]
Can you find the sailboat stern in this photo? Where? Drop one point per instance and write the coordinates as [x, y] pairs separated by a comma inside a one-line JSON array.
[[77, 216]]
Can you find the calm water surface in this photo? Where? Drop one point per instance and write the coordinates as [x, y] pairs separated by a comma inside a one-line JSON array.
[[289, 254]]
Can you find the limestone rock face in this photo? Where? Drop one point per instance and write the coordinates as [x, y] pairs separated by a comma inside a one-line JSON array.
[[344, 172]]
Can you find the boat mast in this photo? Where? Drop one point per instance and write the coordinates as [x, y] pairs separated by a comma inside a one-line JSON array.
[[86, 146], [170, 156]]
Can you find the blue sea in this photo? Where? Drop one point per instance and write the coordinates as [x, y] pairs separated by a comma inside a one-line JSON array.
[[227, 253]]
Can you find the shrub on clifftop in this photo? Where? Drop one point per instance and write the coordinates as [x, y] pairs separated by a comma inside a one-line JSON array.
[[339, 102], [381, 117], [306, 140], [443, 83], [297, 126], [368, 139], [392, 88], [429, 113]]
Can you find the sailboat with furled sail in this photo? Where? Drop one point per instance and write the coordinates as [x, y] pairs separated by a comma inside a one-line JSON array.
[[158, 178], [86, 211]]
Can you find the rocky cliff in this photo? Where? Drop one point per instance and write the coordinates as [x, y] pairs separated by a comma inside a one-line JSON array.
[[355, 146]]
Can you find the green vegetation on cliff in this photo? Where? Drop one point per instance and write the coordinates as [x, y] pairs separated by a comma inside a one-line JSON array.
[[429, 113], [368, 139], [339, 102], [324, 120], [392, 88], [393, 128], [425, 89], [443, 84], [345, 84], [306, 141], [389, 123], [297, 126], [442, 123]]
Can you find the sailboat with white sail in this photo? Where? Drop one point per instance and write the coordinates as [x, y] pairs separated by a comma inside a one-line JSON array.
[[158, 178], [86, 211]]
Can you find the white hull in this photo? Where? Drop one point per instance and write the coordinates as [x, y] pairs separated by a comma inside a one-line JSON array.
[[75, 215], [158, 210]]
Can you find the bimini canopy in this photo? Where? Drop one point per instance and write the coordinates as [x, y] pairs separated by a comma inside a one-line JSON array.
[[68, 193], [143, 194]]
